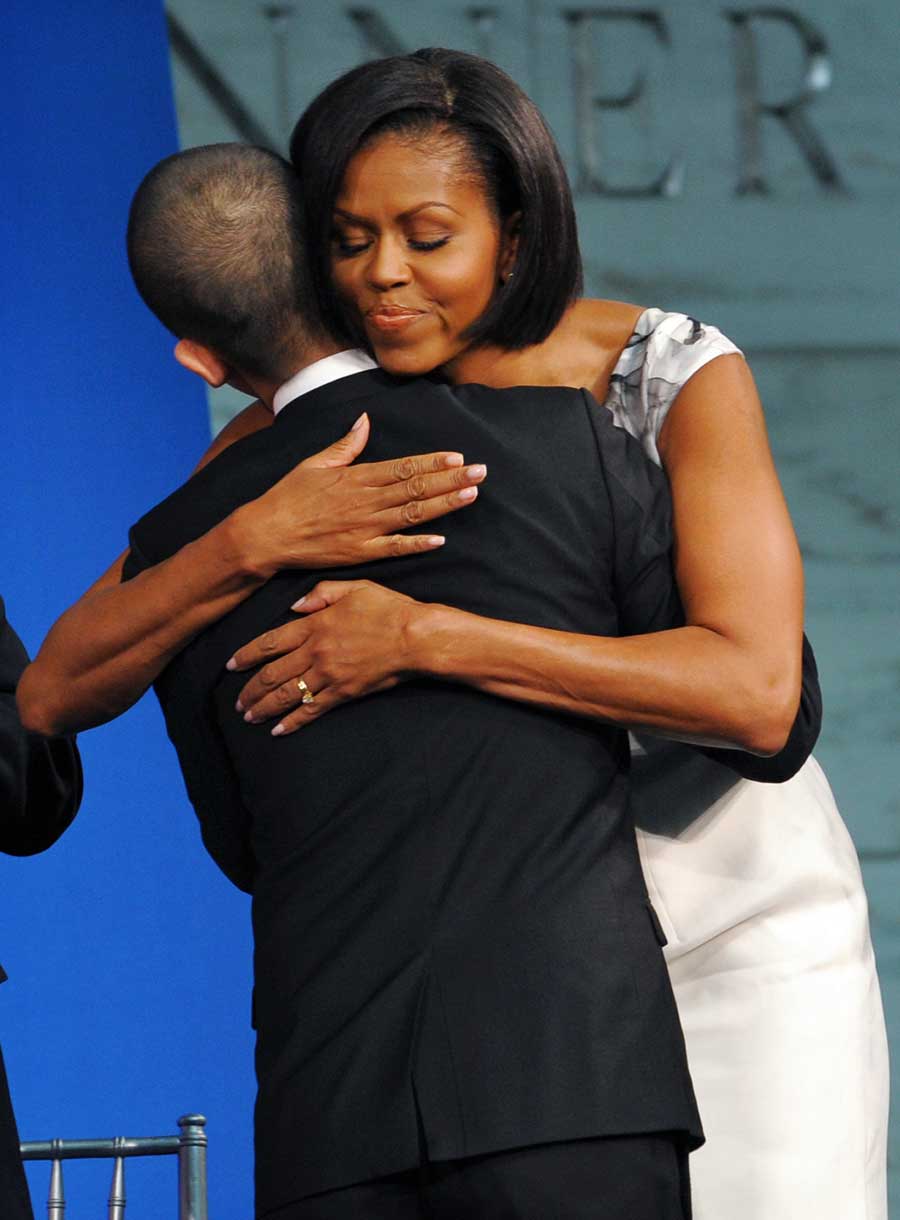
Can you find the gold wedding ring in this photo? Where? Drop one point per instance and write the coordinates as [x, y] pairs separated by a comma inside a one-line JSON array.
[[308, 696]]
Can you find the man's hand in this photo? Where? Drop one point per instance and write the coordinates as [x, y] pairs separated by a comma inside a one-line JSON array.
[[353, 640], [326, 513]]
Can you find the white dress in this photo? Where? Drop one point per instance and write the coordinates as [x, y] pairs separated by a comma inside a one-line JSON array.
[[759, 892]]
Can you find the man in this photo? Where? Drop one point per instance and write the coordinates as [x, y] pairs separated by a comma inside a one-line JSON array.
[[40, 789]]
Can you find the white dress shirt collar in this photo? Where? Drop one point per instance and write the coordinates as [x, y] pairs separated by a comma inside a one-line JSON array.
[[321, 372]]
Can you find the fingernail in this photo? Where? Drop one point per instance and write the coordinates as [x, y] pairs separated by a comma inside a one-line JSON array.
[[232, 664], [278, 730], [453, 459], [248, 716], [476, 472], [298, 604], [239, 707], [359, 423], [436, 540], [467, 493]]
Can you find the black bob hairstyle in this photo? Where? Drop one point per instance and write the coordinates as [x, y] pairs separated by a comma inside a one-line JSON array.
[[513, 153]]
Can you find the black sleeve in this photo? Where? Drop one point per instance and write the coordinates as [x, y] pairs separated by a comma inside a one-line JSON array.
[[206, 767], [40, 777], [647, 594], [799, 745], [640, 515]]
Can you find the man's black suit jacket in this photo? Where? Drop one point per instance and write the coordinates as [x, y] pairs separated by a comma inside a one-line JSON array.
[[40, 788], [454, 950]]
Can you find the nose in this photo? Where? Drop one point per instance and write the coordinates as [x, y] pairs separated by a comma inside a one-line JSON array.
[[387, 267]]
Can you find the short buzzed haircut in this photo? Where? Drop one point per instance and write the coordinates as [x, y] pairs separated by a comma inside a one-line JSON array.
[[216, 251]]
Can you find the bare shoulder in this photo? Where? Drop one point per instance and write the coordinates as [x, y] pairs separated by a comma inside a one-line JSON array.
[[251, 419], [603, 322], [596, 331]]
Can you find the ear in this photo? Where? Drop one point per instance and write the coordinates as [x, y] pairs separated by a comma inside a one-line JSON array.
[[203, 361], [509, 245]]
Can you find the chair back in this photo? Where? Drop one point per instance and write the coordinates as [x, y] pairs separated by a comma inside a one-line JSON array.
[[189, 1146]]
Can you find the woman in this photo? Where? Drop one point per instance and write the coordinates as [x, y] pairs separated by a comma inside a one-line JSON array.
[[731, 526], [758, 887]]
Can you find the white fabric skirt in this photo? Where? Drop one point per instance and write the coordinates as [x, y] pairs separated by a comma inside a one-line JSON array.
[[759, 891]]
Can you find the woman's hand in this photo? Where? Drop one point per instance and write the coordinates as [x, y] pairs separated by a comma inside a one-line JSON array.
[[326, 513], [353, 639]]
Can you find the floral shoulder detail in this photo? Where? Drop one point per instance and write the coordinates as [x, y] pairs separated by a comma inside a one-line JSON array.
[[663, 353]]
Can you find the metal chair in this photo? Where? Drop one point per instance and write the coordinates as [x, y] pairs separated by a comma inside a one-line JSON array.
[[189, 1146]]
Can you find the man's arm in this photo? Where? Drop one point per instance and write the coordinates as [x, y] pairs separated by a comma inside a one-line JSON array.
[[104, 652], [40, 779]]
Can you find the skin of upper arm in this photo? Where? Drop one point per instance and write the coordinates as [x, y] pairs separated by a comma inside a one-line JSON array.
[[738, 564], [251, 419]]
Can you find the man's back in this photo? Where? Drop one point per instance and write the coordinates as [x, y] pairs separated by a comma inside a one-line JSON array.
[[452, 935]]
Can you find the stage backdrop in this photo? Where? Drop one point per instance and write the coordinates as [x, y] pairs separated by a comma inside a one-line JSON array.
[[128, 954], [737, 161]]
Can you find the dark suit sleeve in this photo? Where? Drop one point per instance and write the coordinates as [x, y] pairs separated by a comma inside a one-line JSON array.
[[640, 515], [40, 777], [799, 745], [647, 595], [206, 768]]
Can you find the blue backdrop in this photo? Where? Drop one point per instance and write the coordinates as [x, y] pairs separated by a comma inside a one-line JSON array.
[[128, 954]]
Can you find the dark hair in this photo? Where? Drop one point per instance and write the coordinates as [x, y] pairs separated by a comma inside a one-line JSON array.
[[215, 249], [514, 154]]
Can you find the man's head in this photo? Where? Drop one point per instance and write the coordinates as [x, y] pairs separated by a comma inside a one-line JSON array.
[[216, 253]]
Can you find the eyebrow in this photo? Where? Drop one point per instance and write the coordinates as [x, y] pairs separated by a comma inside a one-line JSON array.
[[410, 212]]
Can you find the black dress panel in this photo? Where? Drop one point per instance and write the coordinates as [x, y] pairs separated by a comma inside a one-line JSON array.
[[40, 777], [454, 951], [40, 789]]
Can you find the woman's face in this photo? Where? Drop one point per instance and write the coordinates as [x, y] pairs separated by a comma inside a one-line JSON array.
[[418, 251]]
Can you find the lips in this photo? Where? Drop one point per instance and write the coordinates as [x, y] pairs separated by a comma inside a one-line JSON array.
[[389, 319]]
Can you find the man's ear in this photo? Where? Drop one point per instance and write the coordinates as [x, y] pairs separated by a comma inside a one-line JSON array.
[[203, 361], [509, 245]]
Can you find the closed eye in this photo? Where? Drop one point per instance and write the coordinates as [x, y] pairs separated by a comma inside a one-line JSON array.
[[429, 245], [347, 248]]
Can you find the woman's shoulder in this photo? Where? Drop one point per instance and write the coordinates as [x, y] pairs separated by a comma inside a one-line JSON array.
[[640, 379], [618, 325], [591, 337], [632, 341], [604, 326]]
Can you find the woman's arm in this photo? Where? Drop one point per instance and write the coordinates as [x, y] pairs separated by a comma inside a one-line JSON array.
[[105, 650], [730, 677], [360, 637], [738, 565]]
